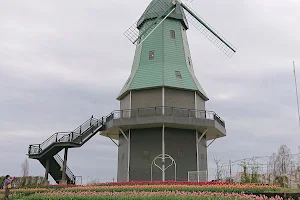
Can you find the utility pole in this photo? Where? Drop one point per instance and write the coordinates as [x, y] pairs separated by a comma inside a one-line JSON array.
[[229, 171], [296, 91], [268, 175]]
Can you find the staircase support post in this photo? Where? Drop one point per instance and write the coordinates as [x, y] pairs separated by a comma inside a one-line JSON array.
[[47, 171], [198, 140], [128, 152], [64, 168]]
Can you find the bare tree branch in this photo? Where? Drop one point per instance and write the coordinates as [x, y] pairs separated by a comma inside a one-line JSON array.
[[25, 172], [219, 170]]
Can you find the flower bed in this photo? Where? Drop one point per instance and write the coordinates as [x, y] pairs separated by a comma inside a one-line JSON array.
[[163, 183], [144, 196], [188, 188], [144, 190]]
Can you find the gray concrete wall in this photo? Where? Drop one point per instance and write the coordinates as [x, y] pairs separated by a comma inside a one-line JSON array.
[[181, 145], [122, 159], [153, 98], [200, 103], [125, 102], [179, 98], [146, 98], [145, 145]]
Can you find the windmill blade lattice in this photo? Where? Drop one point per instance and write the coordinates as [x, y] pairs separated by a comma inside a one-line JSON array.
[[134, 34], [208, 31]]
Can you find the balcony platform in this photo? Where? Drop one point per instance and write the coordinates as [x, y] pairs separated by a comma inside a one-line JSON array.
[[171, 117]]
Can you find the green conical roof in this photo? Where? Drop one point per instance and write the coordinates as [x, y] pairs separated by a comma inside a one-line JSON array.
[[159, 7], [163, 59]]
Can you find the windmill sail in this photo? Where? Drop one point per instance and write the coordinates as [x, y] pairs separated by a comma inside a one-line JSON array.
[[208, 31], [151, 18], [159, 10]]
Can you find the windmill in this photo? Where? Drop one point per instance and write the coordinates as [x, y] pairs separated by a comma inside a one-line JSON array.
[[161, 10], [162, 127]]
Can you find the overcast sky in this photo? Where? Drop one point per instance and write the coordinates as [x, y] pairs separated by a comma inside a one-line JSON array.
[[63, 61]]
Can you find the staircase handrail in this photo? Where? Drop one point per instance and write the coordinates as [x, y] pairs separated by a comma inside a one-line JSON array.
[[38, 148], [81, 132], [65, 132], [41, 147]]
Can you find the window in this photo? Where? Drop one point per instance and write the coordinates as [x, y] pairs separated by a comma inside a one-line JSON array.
[[172, 33], [151, 55], [178, 74]]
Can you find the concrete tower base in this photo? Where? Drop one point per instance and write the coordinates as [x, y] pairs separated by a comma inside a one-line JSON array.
[[144, 145], [162, 122]]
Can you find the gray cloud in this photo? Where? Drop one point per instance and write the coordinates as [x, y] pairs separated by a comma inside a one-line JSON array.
[[61, 62]]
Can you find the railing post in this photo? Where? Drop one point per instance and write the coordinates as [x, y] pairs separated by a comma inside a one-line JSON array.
[[39, 148], [56, 137], [80, 129]]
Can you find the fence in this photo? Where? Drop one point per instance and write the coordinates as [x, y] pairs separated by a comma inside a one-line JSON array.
[[197, 176], [263, 170]]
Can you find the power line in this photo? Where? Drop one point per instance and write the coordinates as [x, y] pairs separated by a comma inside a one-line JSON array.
[[256, 157]]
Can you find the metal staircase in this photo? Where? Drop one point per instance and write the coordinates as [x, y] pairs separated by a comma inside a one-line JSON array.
[[47, 152]]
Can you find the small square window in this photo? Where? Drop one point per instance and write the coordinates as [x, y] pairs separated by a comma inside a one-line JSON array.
[[151, 55], [172, 33], [178, 74]]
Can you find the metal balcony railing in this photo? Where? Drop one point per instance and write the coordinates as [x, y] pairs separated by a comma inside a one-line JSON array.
[[165, 111]]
